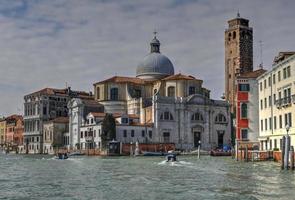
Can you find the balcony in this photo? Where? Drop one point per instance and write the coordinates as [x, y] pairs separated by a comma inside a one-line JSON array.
[[284, 102]]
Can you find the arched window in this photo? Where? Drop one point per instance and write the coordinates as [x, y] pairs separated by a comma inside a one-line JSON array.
[[114, 94], [244, 110], [197, 117], [229, 36], [171, 91], [166, 116], [234, 35], [220, 118]]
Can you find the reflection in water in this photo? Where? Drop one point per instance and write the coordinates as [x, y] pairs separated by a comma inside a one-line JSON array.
[[44, 177]]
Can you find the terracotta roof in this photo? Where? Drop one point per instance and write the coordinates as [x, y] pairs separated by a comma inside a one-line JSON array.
[[14, 117], [60, 120], [99, 114], [115, 115], [141, 124], [60, 92], [179, 77], [91, 102], [122, 79], [253, 74]]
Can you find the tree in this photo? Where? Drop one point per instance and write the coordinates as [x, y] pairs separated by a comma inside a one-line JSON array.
[[108, 130]]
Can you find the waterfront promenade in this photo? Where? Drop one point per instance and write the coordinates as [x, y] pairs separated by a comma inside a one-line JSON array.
[[43, 177]]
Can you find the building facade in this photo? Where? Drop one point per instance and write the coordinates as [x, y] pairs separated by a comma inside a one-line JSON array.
[[53, 134], [2, 131], [14, 131], [177, 107], [277, 102], [238, 55], [42, 106], [79, 108], [247, 109]]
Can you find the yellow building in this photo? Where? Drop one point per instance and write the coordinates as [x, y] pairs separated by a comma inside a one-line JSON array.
[[2, 131], [277, 102]]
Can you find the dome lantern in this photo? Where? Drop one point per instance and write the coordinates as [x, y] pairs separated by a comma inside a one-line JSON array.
[[155, 44], [155, 65]]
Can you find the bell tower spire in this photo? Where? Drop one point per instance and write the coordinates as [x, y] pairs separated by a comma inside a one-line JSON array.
[[155, 44]]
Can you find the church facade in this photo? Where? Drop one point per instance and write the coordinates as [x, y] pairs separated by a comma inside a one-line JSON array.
[[176, 107]]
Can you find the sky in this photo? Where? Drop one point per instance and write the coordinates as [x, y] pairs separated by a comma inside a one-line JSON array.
[[54, 43]]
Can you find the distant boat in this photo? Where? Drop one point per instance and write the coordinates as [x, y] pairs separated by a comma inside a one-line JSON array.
[[220, 153], [77, 153], [152, 153]]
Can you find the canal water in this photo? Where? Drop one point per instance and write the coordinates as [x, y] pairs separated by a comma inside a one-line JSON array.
[[43, 177]]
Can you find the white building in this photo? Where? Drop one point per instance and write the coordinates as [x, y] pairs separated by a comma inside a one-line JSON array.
[[277, 102], [176, 106], [78, 110]]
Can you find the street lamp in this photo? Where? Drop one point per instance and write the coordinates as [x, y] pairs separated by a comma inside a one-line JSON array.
[[287, 128]]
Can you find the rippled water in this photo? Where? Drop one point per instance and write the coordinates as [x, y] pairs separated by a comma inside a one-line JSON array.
[[42, 177]]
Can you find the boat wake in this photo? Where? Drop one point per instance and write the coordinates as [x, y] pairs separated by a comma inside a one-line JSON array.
[[175, 163]]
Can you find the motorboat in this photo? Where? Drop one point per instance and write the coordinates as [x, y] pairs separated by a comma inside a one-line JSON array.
[[171, 157], [62, 156]]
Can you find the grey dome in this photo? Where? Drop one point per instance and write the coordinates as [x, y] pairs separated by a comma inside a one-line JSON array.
[[155, 64]]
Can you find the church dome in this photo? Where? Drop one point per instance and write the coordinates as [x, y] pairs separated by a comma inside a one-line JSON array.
[[155, 65]]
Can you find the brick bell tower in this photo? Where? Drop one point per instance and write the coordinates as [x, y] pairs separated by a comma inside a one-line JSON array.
[[238, 54]]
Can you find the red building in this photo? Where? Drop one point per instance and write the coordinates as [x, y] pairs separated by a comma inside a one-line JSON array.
[[14, 130], [247, 106]]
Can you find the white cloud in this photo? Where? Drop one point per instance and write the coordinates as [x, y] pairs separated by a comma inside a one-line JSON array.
[[48, 43]]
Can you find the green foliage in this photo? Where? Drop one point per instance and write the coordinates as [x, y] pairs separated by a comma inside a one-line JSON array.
[[108, 129]]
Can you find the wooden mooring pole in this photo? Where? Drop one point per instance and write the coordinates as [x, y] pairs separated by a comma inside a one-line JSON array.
[[246, 153], [291, 153], [287, 149]]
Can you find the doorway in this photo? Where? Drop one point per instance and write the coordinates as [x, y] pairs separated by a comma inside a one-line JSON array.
[[197, 138]]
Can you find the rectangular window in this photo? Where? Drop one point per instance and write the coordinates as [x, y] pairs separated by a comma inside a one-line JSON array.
[[269, 101], [261, 104], [288, 71], [290, 119], [280, 121], [273, 79], [270, 123], [274, 98], [150, 134], [286, 119], [82, 134], [142, 133], [275, 122], [264, 83], [124, 133], [270, 144], [269, 81], [132, 133], [166, 137], [244, 134], [98, 93], [284, 73], [261, 125], [244, 87], [275, 143], [192, 90], [265, 103], [265, 123], [260, 86], [279, 76]]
